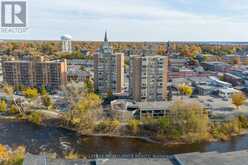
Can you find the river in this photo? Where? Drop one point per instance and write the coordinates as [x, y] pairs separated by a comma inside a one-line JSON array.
[[56, 140]]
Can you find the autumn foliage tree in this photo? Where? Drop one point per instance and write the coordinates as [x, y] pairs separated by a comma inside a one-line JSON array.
[[31, 92], [9, 91], [3, 152], [3, 106], [83, 107], [236, 61], [185, 90], [12, 157], [186, 120], [238, 99]]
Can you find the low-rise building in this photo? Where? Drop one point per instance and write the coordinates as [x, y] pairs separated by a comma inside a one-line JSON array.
[[233, 79], [83, 62], [232, 57], [75, 73], [216, 66], [149, 109], [227, 92]]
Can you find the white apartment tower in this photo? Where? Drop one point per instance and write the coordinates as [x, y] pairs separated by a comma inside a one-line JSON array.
[[148, 77]]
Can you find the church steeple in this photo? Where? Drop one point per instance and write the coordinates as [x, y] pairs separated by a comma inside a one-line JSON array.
[[106, 37]]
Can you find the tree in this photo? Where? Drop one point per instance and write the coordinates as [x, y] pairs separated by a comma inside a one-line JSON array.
[[236, 61], [46, 100], [88, 111], [13, 109], [43, 91], [3, 106], [30, 93], [83, 107], [108, 126], [238, 99], [88, 86], [245, 62], [73, 93], [12, 157], [72, 156], [134, 126], [10, 92], [185, 90], [188, 118], [4, 155], [35, 117], [110, 93]]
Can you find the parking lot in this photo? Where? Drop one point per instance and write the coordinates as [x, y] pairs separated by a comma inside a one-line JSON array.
[[218, 106]]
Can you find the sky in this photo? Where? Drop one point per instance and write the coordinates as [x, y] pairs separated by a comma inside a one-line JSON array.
[[137, 20]]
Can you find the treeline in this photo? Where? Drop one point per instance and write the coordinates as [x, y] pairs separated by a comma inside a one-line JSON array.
[[53, 48]]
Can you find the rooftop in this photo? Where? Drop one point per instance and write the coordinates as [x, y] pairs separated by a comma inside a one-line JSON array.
[[152, 105], [213, 158]]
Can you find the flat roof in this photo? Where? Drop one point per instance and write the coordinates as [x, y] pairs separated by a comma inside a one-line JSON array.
[[197, 158], [160, 105]]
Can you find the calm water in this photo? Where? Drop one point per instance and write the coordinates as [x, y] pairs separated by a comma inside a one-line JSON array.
[[55, 140]]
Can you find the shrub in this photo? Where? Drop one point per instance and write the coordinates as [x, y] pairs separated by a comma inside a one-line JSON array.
[[43, 91], [3, 152], [238, 99], [35, 117], [13, 109], [14, 157], [243, 121], [72, 156], [46, 100], [134, 126], [224, 131], [3, 106], [108, 126]]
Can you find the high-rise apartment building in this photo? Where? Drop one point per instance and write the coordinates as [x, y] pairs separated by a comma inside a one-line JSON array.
[[109, 70], [35, 73], [148, 78]]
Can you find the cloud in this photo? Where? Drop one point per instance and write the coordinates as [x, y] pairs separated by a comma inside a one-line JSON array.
[[138, 19]]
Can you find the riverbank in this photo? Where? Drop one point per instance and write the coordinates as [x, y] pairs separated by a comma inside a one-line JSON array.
[[51, 140], [58, 123], [149, 139]]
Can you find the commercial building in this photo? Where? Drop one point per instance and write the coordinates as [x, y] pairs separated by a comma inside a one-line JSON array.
[[233, 79], [109, 70], [232, 57], [149, 109], [216, 66], [35, 73], [148, 78]]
